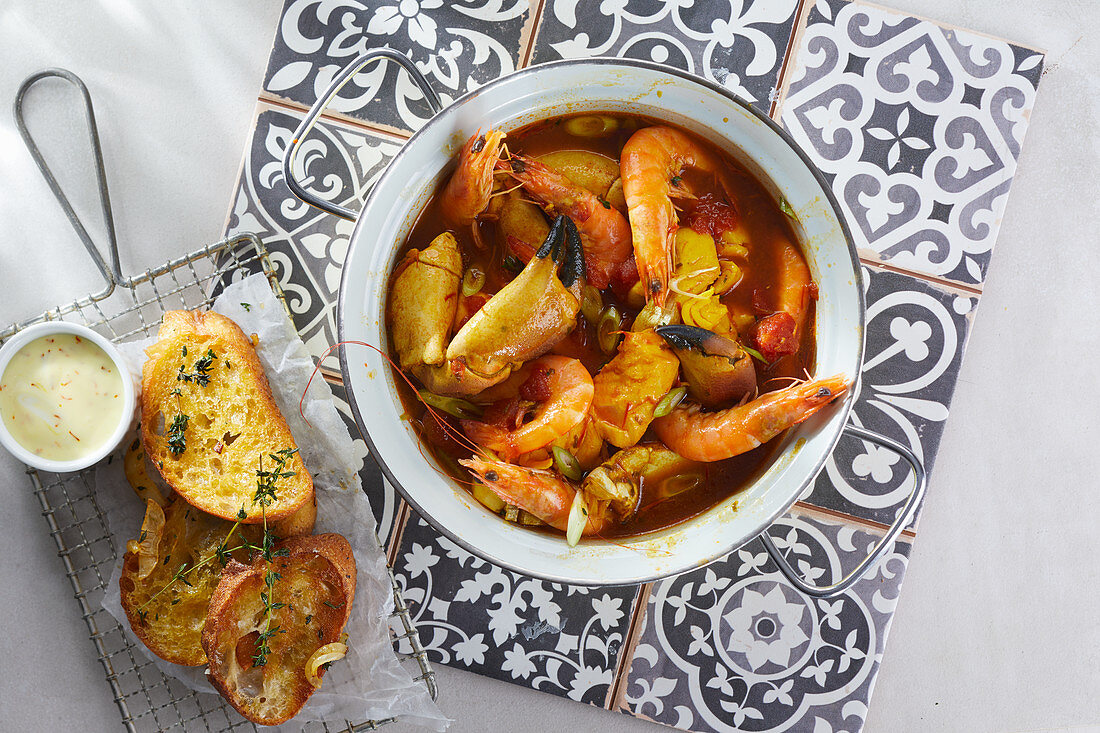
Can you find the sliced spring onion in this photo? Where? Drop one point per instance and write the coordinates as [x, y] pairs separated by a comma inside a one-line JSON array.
[[591, 125], [453, 406], [653, 315], [591, 304], [473, 281], [513, 264], [787, 209], [567, 464], [753, 353], [578, 520], [607, 332], [669, 401], [678, 484]]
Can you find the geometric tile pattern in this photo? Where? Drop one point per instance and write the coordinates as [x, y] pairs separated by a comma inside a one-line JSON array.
[[474, 615], [916, 126], [915, 337], [339, 163], [739, 45], [458, 45], [734, 647]]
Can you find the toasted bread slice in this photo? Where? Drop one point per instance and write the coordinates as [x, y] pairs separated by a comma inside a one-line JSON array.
[[209, 422], [171, 623], [317, 587]]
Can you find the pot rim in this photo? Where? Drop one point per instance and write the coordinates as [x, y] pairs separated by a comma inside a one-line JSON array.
[[845, 408]]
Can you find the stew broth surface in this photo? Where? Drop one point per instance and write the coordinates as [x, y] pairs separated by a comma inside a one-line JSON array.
[[768, 228]]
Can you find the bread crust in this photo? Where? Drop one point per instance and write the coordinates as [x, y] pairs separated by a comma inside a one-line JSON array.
[[232, 422], [317, 585]]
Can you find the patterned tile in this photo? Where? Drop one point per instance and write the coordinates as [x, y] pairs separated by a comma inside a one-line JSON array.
[[732, 646], [458, 45], [738, 43], [474, 615], [384, 500], [918, 128], [307, 247], [915, 338]]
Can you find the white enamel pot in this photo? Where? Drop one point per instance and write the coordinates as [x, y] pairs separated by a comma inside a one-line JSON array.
[[570, 87]]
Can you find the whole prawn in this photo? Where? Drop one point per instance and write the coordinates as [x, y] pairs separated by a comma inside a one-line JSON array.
[[570, 389], [542, 493], [716, 436], [651, 163], [469, 188]]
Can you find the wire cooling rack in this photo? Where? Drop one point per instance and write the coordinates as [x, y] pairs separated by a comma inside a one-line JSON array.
[[147, 699], [127, 308]]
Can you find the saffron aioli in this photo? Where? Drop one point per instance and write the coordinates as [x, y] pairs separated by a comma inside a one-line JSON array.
[[61, 397]]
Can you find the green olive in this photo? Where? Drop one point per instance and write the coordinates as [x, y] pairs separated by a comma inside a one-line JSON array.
[[453, 406], [607, 332]]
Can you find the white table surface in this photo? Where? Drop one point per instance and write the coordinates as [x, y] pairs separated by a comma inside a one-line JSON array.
[[998, 626]]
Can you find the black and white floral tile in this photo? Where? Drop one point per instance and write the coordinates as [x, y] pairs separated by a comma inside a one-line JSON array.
[[915, 337], [307, 247], [733, 647], [738, 44], [459, 45], [918, 128], [474, 615]]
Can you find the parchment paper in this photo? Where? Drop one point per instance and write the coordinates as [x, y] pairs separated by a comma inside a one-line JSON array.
[[369, 683]]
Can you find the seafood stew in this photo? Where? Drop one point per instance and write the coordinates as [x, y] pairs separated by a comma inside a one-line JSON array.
[[600, 322]]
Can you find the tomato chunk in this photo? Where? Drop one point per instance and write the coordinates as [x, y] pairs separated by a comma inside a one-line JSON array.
[[537, 386], [712, 215], [774, 336]]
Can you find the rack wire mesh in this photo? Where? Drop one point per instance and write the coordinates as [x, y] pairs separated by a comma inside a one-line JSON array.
[[147, 699]]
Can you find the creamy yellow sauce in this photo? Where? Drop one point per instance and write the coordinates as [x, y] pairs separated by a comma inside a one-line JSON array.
[[61, 397]]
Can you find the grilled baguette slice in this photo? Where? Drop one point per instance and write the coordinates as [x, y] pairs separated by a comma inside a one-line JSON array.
[[316, 586], [171, 623], [209, 422]]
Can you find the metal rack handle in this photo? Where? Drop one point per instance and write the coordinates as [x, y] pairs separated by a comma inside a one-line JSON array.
[[819, 591], [112, 273], [323, 102]]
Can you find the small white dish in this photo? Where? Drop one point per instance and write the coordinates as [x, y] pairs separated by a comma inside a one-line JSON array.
[[128, 395]]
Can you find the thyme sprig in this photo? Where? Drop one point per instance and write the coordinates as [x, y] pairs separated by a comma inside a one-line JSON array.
[[265, 495], [222, 554], [200, 373], [177, 434], [177, 430]]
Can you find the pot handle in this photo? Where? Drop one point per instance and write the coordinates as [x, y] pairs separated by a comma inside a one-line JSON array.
[[823, 591], [323, 102]]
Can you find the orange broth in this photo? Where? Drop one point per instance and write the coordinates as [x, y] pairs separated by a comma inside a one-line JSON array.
[[768, 229]]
